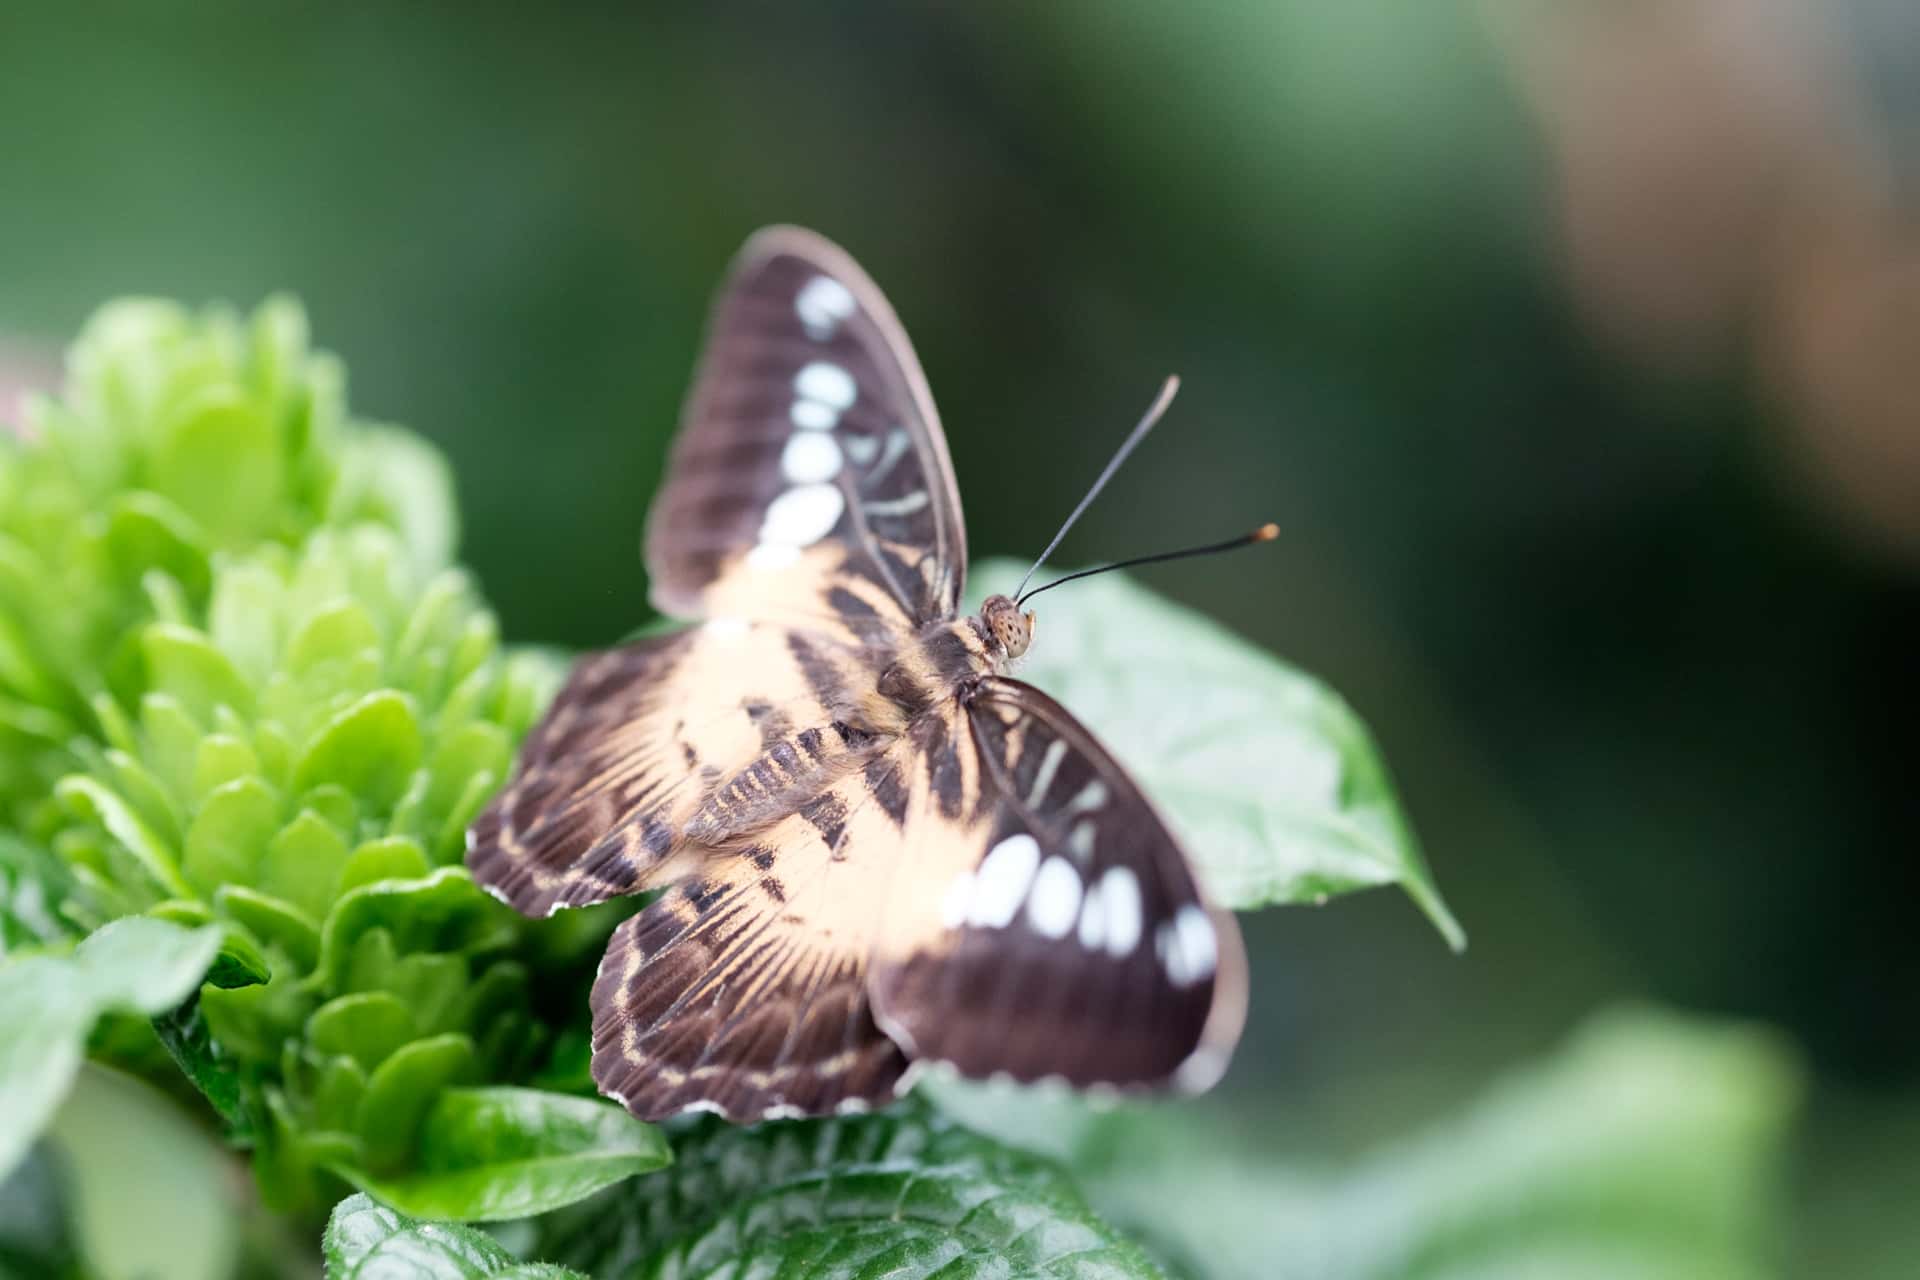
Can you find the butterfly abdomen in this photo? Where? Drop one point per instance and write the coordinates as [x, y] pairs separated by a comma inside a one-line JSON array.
[[790, 771]]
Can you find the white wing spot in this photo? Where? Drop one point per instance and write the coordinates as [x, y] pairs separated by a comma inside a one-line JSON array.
[[1054, 903], [828, 383], [1001, 884], [1120, 895], [728, 629], [1187, 947], [811, 415], [1081, 839], [810, 458], [769, 556], [802, 515], [862, 449], [1093, 920], [822, 305]]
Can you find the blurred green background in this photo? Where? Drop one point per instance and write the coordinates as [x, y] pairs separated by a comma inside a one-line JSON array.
[[1574, 347]]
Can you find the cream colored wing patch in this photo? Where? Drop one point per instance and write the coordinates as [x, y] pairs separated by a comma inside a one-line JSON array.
[[744, 990], [643, 737]]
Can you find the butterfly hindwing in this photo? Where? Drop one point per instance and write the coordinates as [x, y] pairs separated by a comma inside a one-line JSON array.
[[1048, 923], [743, 990], [809, 453], [655, 744]]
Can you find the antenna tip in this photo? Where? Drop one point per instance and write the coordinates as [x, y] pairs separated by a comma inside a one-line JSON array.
[[1266, 533]]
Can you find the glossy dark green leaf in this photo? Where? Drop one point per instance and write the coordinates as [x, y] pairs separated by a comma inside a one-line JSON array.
[[366, 1240], [1272, 780], [900, 1195], [183, 1033], [48, 1004], [489, 1154]]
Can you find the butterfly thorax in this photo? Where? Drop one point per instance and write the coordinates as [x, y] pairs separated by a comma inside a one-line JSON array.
[[946, 658], [938, 663]]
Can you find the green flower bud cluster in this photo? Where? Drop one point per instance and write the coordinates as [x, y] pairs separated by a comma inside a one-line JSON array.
[[176, 439], [240, 685]]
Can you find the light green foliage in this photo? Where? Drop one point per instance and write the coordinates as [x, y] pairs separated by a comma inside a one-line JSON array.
[[271, 709], [300, 764], [178, 437], [1272, 781], [1648, 1148], [49, 1004], [153, 1198]]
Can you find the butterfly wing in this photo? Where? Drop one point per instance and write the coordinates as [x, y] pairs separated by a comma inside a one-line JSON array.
[[1047, 923], [610, 781], [810, 476], [810, 512], [743, 990]]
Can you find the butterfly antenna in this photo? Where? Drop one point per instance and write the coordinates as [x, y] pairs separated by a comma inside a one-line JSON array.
[[1134, 437], [1265, 533]]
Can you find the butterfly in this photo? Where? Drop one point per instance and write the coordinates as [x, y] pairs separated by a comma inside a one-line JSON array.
[[878, 849]]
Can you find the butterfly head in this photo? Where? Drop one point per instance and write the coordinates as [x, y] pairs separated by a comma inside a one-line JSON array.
[[1009, 628]]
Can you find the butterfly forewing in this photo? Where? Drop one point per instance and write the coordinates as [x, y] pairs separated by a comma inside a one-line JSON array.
[[809, 454], [1048, 924], [643, 748]]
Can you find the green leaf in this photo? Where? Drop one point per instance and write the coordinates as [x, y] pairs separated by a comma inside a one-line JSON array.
[[152, 1193], [239, 963], [399, 479], [388, 858], [365, 1026], [368, 1241], [184, 665], [1648, 1147], [86, 798], [397, 1096], [33, 885], [184, 1034], [904, 1195], [49, 1003], [36, 1236], [218, 458], [303, 863], [278, 923], [440, 912], [145, 531], [371, 749], [489, 1154], [1272, 781], [229, 834]]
